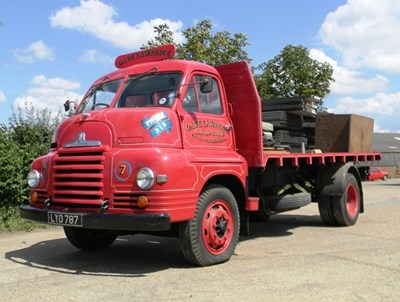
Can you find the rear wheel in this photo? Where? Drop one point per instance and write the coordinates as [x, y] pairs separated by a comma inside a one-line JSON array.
[[347, 207], [342, 210], [211, 236], [88, 239], [326, 211]]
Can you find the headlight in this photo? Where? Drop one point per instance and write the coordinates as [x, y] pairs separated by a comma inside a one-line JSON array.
[[145, 178], [33, 178]]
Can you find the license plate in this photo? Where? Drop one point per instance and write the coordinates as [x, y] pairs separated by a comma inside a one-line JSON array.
[[64, 219]]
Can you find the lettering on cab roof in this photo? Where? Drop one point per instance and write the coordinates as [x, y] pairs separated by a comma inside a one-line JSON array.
[[159, 53]]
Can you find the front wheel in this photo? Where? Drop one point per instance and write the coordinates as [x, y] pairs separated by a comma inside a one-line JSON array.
[[88, 239], [211, 236]]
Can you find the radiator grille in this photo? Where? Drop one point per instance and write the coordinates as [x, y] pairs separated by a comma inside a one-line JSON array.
[[126, 200], [78, 178]]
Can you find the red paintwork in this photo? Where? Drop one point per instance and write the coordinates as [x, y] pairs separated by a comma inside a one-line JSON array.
[[193, 149], [320, 158], [242, 95]]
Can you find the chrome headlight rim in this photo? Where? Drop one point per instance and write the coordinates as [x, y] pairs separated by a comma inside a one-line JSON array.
[[33, 178], [145, 178]]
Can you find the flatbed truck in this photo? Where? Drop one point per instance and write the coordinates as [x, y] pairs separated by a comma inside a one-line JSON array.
[[174, 146]]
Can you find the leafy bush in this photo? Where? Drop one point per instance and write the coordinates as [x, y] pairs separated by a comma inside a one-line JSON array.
[[27, 136]]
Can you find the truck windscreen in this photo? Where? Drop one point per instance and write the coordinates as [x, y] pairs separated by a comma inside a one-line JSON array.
[[150, 90], [100, 96]]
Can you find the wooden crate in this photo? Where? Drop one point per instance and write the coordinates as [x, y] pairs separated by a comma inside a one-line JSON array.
[[344, 133]]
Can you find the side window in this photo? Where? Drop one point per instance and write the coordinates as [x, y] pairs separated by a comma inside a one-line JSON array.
[[190, 100], [210, 102], [207, 102]]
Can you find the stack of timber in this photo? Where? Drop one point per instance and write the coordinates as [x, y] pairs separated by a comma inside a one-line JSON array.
[[293, 121]]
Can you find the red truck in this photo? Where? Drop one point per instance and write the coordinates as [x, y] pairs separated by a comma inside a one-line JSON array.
[[174, 146]]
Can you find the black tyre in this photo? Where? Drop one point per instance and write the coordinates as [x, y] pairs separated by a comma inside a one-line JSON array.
[[211, 236], [385, 177], [347, 207], [326, 211], [88, 239], [281, 203]]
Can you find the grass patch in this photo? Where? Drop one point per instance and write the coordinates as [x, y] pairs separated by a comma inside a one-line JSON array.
[[10, 221]]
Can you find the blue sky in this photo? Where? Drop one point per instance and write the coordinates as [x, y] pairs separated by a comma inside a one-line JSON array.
[[53, 50]]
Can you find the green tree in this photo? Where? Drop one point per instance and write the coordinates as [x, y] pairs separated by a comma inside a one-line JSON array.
[[163, 36], [294, 73], [27, 136], [32, 129], [12, 172], [202, 45]]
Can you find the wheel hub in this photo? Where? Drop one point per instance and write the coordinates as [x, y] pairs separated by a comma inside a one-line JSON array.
[[352, 201], [217, 228], [221, 226]]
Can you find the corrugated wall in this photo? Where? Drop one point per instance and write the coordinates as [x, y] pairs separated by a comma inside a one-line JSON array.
[[390, 163]]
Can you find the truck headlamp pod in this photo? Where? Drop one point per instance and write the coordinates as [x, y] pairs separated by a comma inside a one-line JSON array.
[[145, 178], [33, 179]]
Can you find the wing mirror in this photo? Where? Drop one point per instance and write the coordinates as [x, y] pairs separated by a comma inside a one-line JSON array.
[[206, 85], [67, 105]]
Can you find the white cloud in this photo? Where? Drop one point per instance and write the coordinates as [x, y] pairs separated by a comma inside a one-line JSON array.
[[94, 56], [379, 129], [97, 19], [2, 96], [380, 105], [350, 81], [50, 93], [365, 33], [34, 52]]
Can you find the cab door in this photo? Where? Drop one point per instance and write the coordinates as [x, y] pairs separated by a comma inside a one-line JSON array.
[[205, 120]]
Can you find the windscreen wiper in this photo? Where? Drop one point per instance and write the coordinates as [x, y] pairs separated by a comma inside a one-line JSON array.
[[138, 76]]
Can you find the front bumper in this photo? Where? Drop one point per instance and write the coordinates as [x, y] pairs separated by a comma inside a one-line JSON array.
[[107, 221]]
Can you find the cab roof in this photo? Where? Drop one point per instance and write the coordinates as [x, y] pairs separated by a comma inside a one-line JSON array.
[[158, 58]]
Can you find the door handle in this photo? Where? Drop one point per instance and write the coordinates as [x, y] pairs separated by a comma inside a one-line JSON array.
[[228, 127]]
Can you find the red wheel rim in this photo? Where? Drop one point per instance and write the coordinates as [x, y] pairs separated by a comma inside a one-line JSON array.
[[352, 201], [217, 227]]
